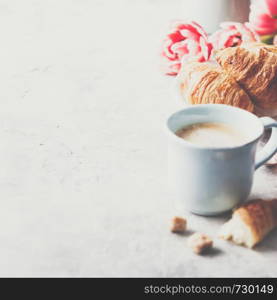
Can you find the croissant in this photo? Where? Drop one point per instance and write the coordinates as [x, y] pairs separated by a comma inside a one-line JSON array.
[[251, 223], [201, 83], [254, 67]]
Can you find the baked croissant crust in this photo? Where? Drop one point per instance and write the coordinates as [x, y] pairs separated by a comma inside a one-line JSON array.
[[254, 67], [202, 83], [251, 223]]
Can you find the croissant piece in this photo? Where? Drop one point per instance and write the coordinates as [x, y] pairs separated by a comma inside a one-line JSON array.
[[254, 67], [251, 223], [201, 83]]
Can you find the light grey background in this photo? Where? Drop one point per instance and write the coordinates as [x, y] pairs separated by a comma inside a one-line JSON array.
[[83, 152]]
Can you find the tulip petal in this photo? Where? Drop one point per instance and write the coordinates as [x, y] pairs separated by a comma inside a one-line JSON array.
[[261, 20], [233, 34], [186, 41], [271, 6]]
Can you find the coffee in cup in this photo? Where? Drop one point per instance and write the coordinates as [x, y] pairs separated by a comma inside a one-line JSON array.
[[212, 134]]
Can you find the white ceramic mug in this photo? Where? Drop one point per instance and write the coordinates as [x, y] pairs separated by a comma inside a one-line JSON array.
[[210, 13], [211, 181]]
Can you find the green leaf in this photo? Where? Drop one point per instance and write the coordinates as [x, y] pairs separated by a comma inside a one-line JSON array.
[[267, 39]]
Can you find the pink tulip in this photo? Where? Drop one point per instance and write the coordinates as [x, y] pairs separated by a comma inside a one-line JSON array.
[[261, 16], [233, 34], [271, 5], [184, 42]]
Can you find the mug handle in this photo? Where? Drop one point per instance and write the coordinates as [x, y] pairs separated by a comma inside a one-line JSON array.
[[270, 147]]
